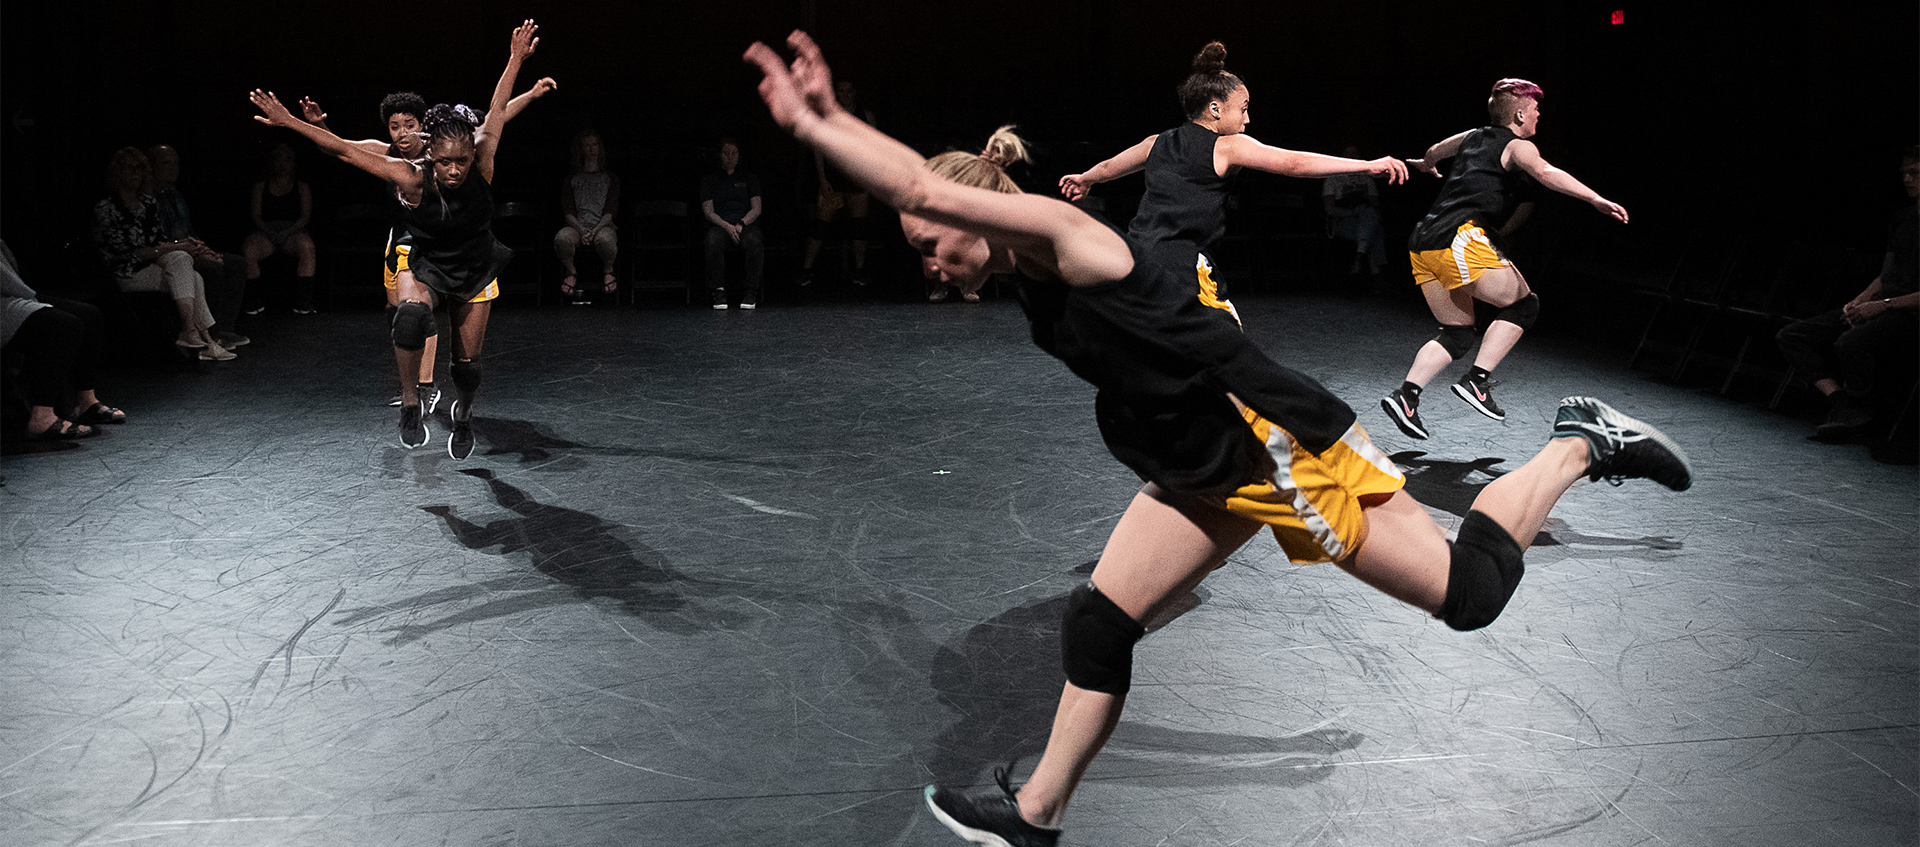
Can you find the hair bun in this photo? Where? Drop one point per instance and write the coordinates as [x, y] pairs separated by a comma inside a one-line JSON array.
[[1004, 148], [1212, 59]]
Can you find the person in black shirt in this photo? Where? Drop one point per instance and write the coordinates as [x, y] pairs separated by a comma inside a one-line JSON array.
[[1189, 167], [454, 255], [1844, 350], [1455, 261], [730, 200], [1227, 440]]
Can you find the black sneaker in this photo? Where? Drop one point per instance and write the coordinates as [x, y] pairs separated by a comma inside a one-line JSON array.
[[804, 279], [430, 397], [1405, 412], [1620, 448], [460, 442], [394, 401], [1479, 395], [989, 816], [413, 427], [860, 277], [720, 299]]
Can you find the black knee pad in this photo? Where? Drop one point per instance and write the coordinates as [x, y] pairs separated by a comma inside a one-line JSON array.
[[1096, 642], [1456, 340], [466, 375], [1522, 313], [818, 229], [413, 325], [1485, 570]]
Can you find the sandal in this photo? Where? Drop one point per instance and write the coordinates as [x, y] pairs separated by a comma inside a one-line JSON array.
[[100, 413], [611, 285], [63, 430], [569, 287]]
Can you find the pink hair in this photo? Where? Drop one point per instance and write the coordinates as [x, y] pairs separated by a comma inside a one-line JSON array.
[[1518, 88]]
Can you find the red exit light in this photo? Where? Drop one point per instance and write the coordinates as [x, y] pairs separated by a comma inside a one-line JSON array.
[[1619, 16]]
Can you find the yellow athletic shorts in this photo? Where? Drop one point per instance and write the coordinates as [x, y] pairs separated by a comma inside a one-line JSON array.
[[1313, 502], [1470, 255], [397, 262]]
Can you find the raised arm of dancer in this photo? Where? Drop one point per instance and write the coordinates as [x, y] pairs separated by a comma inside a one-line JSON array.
[[1081, 250], [1242, 151], [499, 112], [1522, 154], [1441, 151], [524, 42], [318, 117], [1076, 186], [397, 171], [540, 89]]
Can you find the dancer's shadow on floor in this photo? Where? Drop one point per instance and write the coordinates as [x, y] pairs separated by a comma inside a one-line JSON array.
[[1004, 679], [580, 558], [532, 442], [1448, 486]]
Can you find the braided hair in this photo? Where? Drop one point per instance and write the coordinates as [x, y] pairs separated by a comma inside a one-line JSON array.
[[450, 122]]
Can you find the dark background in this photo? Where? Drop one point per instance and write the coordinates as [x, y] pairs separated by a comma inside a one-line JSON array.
[[1691, 117]]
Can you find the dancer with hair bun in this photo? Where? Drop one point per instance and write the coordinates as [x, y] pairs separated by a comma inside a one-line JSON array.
[[1227, 440], [455, 256], [1003, 149], [1189, 167], [1456, 259]]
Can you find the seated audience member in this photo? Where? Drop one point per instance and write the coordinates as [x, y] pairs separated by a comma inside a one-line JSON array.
[[1846, 349], [730, 200], [58, 342], [126, 229], [590, 202], [282, 207], [225, 273], [1352, 204]]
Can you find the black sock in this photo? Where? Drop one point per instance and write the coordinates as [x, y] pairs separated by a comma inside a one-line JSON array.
[[1410, 390], [1479, 374]]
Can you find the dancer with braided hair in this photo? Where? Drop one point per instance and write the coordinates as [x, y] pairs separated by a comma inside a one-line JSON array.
[[1457, 258], [1227, 440], [1190, 167], [401, 112], [454, 255]]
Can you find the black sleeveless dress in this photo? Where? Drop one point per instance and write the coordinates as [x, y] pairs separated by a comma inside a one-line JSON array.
[[454, 250], [1164, 363]]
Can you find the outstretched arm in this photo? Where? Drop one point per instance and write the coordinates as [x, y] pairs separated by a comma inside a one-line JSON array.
[[1076, 186], [1522, 154], [540, 89], [1244, 151], [397, 171], [318, 117], [1439, 152], [519, 48], [800, 97]]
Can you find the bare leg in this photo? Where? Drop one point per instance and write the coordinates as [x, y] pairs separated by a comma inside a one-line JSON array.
[[469, 333], [1453, 307], [1405, 553], [1161, 549], [406, 288], [1499, 287], [428, 356]]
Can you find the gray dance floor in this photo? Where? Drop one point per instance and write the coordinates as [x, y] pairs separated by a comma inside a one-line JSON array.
[[756, 578]]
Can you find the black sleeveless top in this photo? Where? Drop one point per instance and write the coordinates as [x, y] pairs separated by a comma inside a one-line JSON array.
[[1163, 363], [1477, 189], [1185, 208], [454, 251]]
